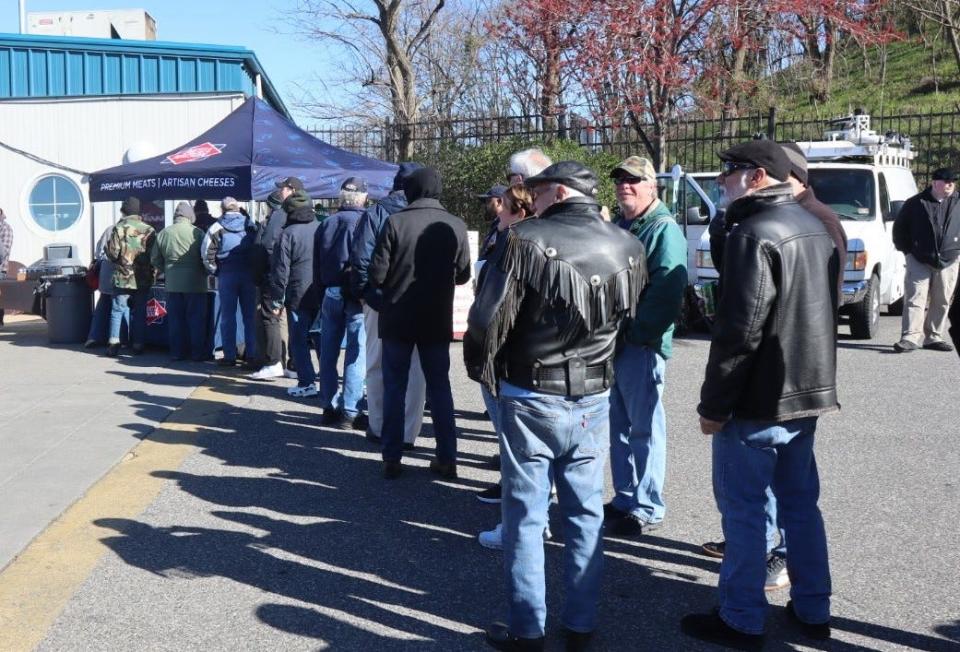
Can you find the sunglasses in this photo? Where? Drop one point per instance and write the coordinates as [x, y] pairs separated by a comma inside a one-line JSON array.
[[729, 167], [627, 178]]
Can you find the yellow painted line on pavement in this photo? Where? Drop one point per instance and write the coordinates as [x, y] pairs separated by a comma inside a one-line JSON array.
[[37, 585]]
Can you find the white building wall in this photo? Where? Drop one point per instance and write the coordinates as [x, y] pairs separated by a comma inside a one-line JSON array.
[[88, 134]]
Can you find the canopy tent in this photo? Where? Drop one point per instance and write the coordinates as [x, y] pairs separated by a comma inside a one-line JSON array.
[[243, 156]]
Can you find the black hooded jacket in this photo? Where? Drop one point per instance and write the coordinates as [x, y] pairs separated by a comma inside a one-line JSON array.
[[421, 255], [291, 266]]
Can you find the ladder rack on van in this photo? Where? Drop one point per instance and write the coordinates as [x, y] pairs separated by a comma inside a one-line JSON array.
[[851, 139]]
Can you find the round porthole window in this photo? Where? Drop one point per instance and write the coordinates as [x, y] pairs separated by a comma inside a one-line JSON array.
[[55, 202]]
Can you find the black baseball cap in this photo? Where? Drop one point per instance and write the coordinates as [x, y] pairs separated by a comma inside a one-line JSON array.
[[290, 182], [354, 184], [496, 191], [568, 173], [944, 174], [798, 162], [765, 154]]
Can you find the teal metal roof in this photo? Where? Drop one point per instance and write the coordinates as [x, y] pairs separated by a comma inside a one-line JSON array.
[[66, 66]]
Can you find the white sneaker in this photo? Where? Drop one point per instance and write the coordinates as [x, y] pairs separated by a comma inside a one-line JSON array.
[[267, 373], [303, 392], [289, 373], [493, 539]]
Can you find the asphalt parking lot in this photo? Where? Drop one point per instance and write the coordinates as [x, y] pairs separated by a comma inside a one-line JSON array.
[[269, 532]]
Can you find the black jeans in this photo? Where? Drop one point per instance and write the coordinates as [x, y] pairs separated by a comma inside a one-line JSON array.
[[270, 329]]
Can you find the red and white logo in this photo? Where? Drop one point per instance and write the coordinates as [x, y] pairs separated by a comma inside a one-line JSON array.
[[196, 153], [156, 311]]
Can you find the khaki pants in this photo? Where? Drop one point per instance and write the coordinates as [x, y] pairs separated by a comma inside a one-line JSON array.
[[926, 300], [416, 386]]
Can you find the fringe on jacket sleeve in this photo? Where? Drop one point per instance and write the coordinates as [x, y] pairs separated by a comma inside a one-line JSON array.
[[596, 302]]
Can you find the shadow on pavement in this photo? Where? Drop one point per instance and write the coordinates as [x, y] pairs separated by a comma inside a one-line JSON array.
[[395, 565]]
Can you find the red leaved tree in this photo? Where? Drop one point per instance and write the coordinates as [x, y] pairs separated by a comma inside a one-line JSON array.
[[641, 60], [546, 31]]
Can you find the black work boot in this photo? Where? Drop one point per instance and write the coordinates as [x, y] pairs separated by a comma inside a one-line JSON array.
[[500, 638]]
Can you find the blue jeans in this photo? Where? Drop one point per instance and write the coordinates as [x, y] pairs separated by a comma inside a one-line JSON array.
[[638, 433], [748, 457], [435, 362], [339, 316], [100, 324], [298, 331], [216, 342], [129, 305], [776, 539], [187, 325], [493, 408], [546, 438], [237, 288]]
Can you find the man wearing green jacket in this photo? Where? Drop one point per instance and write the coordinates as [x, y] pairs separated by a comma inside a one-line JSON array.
[[638, 429], [177, 253]]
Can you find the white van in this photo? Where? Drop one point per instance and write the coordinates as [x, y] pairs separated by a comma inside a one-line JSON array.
[[864, 177]]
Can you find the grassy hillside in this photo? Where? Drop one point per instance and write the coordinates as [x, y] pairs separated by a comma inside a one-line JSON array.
[[911, 85]]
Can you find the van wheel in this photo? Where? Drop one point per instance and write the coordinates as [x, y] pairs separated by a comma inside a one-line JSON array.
[[896, 308], [865, 316]]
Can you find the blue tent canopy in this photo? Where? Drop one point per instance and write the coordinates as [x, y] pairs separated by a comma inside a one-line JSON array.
[[243, 156]]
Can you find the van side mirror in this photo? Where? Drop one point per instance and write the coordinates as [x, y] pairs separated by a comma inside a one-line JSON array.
[[895, 207], [694, 217]]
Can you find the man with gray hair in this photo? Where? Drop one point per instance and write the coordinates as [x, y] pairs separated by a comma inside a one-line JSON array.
[[340, 310], [227, 252], [541, 335], [526, 163]]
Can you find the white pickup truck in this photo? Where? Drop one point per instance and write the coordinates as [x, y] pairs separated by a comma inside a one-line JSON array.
[[864, 177]]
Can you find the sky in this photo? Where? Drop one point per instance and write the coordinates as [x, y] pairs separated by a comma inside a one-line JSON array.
[[245, 23]]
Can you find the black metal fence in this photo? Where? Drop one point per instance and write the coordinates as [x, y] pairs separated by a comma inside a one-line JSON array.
[[692, 143]]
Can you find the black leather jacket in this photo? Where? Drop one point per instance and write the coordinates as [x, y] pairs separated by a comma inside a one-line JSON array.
[[548, 312], [773, 356]]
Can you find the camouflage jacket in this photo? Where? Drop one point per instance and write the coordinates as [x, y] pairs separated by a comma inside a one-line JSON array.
[[129, 249]]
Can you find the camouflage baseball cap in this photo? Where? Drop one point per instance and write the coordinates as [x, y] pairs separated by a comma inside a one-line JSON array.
[[636, 166]]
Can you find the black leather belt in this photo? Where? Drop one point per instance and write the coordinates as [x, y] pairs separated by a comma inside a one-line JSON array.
[[574, 378]]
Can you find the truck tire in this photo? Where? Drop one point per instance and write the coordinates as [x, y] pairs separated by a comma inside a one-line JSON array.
[[865, 315]]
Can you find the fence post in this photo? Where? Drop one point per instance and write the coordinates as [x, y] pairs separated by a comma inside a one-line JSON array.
[[772, 123]]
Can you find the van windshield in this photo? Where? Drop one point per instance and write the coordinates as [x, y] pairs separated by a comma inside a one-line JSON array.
[[850, 193]]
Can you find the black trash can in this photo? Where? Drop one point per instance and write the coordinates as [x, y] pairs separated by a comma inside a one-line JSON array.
[[69, 303]]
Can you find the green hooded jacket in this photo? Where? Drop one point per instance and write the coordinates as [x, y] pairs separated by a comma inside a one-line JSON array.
[[177, 253]]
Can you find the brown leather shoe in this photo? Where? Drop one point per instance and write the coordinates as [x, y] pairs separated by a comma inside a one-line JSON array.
[[446, 470]]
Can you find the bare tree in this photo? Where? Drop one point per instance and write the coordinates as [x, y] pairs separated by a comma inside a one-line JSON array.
[[945, 14], [383, 39]]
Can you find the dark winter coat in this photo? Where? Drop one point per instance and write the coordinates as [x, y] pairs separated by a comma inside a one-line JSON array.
[[365, 240], [915, 231], [333, 243], [421, 255], [267, 237], [291, 266]]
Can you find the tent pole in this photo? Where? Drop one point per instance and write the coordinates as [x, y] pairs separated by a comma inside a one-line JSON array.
[[259, 86]]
